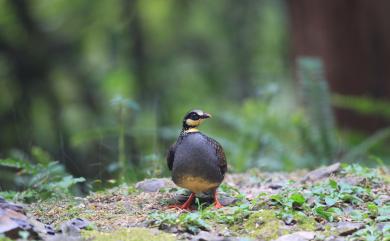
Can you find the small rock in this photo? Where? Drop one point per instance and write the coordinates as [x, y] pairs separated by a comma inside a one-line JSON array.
[[143, 224], [298, 236], [150, 185], [184, 236], [40, 228], [348, 228], [276, 185], [50, 230], [64, 237], [321, 172], [8, 222], [238, 239], [241, 239], [383, 199], [80, 223], [226, 201], [334, 238], [13, 219], [381, 226], [289, 220], [168, 228], [352, 180], [207, 236], [70, 230], [12, 206], [73, 227], [311, 202]]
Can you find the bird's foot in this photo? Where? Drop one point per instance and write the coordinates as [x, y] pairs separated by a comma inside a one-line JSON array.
[[217, 204], [186, 205], [180, 207]]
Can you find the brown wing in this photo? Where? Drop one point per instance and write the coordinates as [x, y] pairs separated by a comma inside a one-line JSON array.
[[221, 158], [220, 154], [171, 156]]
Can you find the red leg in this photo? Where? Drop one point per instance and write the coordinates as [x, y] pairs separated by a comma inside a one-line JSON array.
[[187, 204], [217, 204]]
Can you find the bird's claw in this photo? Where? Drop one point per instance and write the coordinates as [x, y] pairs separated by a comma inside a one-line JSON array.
[[218, 205], [180, 207]]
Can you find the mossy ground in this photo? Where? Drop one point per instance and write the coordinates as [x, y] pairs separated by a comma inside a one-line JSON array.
[[269, 205], [264, 225], [129, 234]]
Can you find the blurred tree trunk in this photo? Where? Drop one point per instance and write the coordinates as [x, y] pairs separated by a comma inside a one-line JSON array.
[[31, 61], [353, 39], [138, 63], [239, 26], [31, 70]]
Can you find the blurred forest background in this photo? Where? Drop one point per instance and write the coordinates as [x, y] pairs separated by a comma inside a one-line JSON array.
[[102, 86]]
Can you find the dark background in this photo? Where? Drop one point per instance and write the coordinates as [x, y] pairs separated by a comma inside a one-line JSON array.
[[290, 84]]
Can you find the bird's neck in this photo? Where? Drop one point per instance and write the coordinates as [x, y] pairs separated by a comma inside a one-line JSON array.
[[192, 130], [189, 130]]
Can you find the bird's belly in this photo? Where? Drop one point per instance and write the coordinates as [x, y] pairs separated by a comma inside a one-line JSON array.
[[195, 166], [196, 184], [197, 176]]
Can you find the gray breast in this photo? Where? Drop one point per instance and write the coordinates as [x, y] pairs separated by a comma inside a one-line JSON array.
[[195, 156]]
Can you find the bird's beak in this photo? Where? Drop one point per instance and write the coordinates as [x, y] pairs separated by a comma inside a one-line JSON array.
[[205, 116]]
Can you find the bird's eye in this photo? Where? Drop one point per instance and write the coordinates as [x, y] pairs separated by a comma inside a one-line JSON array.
[[195, 116]]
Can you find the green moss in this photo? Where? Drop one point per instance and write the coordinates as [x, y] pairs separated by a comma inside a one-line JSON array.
[[305, 223], [386, 178], [129, 234], [264, 225], [3, 238], [328, 231]]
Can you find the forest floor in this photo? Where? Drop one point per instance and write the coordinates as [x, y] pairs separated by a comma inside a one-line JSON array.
[[338, 202]]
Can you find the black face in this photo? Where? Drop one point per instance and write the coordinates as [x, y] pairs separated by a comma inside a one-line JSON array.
[[192, 115]]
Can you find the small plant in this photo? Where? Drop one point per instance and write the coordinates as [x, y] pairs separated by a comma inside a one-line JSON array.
[[372, 233], [202, 219], [361, 171], [124, 107], [331, 196], [193, 222], [42, 179], [228, 215], [327, 199], [293, 204]]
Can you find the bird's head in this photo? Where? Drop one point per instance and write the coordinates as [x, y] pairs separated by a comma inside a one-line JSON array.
[[193, 119]]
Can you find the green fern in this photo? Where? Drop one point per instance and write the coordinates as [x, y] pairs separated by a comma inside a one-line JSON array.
[[42, 179], [316, 98], [363, 105], [24, 166], [363, 148]]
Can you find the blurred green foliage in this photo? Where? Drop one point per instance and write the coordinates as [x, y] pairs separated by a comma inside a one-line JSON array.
[[363, 105], [316, 98], [41, 179], [102, 86]]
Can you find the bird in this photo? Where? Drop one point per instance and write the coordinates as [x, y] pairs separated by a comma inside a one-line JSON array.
[[197, 161]]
